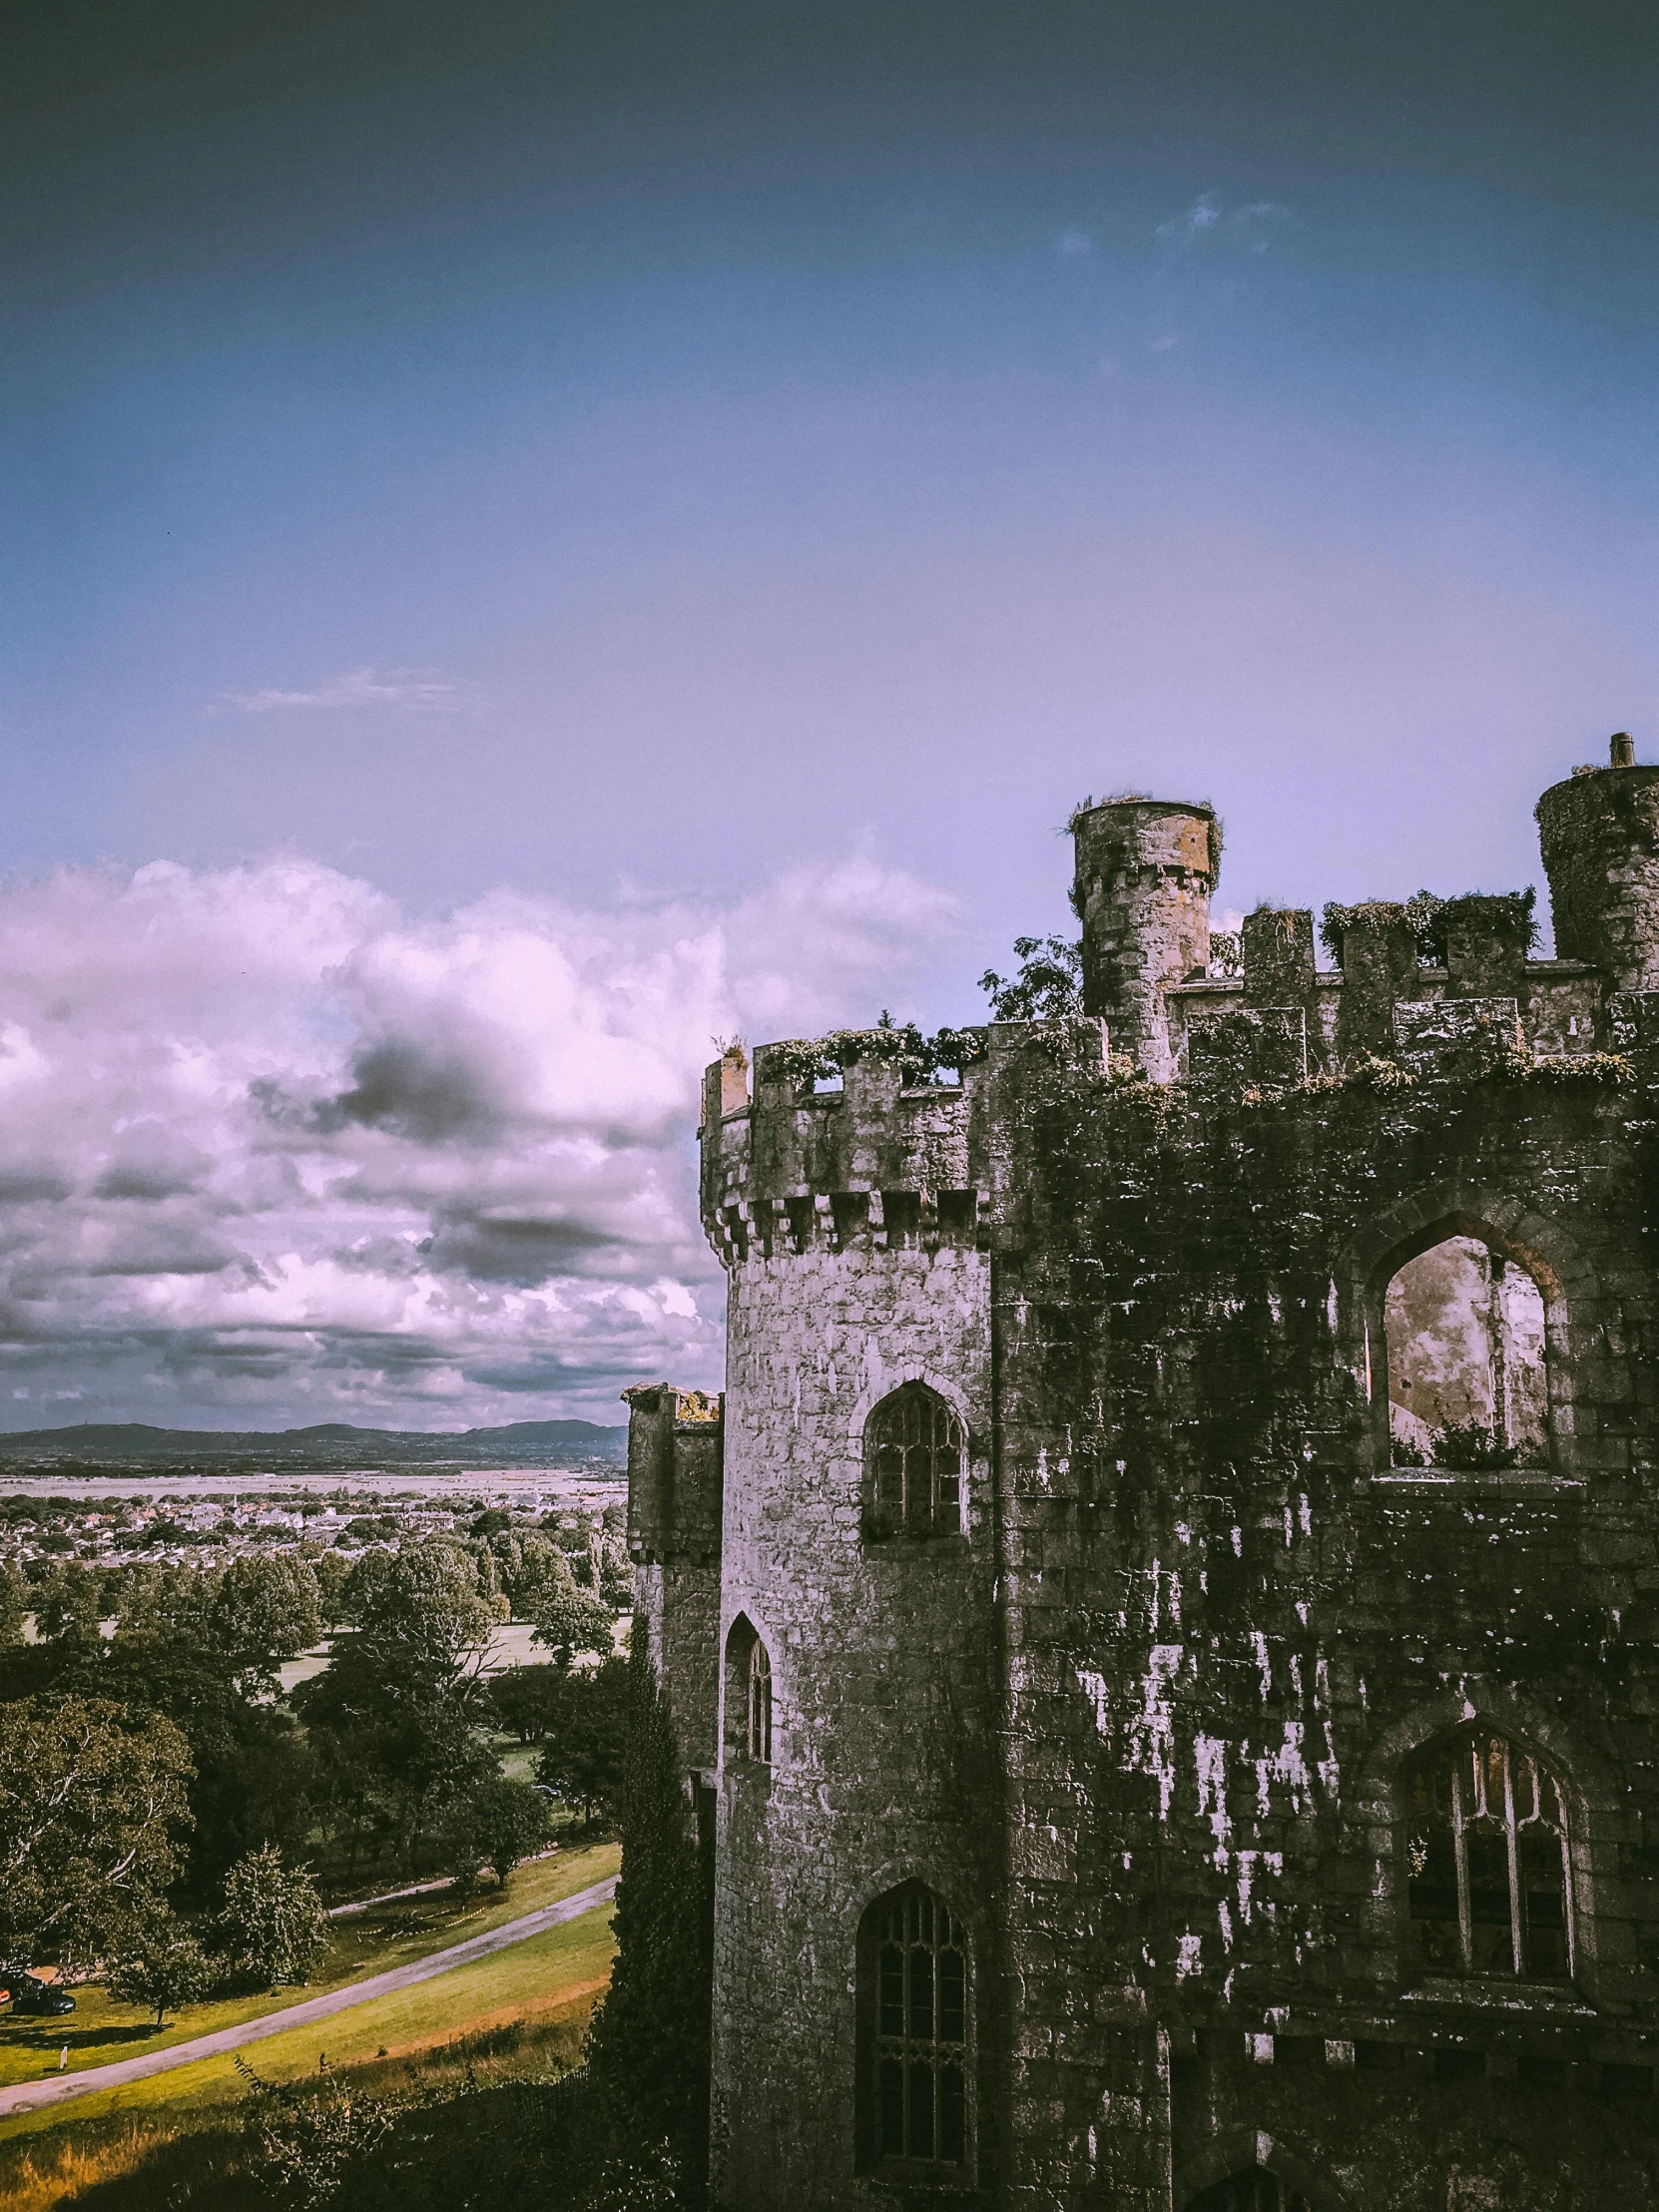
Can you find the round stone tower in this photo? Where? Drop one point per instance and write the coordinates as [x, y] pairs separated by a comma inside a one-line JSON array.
[[1145, 871], [858, 1686], [1599, 831]]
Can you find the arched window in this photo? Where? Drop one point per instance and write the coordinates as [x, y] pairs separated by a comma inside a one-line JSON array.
[[747, 1693], [1489, 1875], [912, 1466], [915, 1996], [759, 1703], [1253, 2189], [1467, 1375]]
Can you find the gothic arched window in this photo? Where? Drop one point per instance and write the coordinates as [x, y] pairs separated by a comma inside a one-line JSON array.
[[914, 1993], [914, 1465], [747, 1693], [1489, 1879]]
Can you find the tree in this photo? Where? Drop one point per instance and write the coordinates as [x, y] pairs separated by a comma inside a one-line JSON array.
[[538, 1570], [421, 1611], [525, 1700], [648, 2048], [92, 1800], [166, 1969], [176, 1602], [497, 1826], [570, 1621], [394, 1714], [1047, 987], [254, 1775], [67, 1605], [273, 1928], [267, 1609], [333, 1574], [584, 1756], [14, 1603]]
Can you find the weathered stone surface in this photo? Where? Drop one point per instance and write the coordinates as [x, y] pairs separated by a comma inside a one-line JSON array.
[[1144, 1721]]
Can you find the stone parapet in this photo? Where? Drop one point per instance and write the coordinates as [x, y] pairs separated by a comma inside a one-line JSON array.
[[872, 1165]]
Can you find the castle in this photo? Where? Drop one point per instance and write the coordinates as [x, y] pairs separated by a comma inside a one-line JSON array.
[[1162, 1631]]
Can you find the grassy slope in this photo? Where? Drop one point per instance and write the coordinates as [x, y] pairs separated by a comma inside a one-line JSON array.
[[557, 1972], [100, 2031]]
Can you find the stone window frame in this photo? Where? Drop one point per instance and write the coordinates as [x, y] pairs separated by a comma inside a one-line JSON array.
[[1416, 1225], [1498, 1794], [745, 1644], [868, 2159], [1599, 1820], [873, 1398]]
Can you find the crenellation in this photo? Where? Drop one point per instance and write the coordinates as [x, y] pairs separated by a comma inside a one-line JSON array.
[[1278, 948]]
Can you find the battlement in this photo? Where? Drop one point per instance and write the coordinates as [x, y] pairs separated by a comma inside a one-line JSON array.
[[875, 1165], [1552, 1009], [1420, 992]]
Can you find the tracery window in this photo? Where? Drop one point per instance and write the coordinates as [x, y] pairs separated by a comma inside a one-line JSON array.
[[759, 1703], [1488, 1873], [914, 1465], [1254, 2189], [916, 1961], [747, 1693]]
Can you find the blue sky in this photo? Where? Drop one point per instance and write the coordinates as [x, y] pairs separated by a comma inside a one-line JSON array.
[[636, 458]]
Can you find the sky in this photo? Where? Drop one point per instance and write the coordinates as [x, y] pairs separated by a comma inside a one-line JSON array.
[[533, 537]]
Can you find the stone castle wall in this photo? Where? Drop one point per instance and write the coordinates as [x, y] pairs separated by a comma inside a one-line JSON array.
[[1146, 1724]]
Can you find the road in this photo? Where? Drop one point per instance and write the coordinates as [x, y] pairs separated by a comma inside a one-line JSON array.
[[30, 2096]]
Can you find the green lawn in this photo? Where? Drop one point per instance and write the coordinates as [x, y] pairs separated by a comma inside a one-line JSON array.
[[518, 1761], [99, 2030], [510, 1645], [559, 1972]]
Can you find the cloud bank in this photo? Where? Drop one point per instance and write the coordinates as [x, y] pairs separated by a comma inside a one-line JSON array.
[[274, 1151]]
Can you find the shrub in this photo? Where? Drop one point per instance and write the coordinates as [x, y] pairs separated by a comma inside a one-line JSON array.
[[311, 2143], [1469, 1446]]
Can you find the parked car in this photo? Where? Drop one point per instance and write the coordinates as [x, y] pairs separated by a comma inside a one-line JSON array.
[[37, 1999]]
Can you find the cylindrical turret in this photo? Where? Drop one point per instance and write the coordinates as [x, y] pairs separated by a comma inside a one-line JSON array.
[[1599, 831], [1145, 871]]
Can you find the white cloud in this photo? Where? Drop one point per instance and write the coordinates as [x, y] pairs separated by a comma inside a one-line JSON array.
[[1204, 213], [414, 689], [275, 1151], [1070, 244], [1252, 225]]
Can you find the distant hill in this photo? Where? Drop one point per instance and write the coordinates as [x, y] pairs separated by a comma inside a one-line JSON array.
[[520, 1443]]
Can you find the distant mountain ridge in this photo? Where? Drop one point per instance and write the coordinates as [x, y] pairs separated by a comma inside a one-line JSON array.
[[531, 1444]]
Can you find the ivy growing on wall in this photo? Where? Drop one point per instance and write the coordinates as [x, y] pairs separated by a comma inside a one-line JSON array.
[[1430, 918], [647, 2050]]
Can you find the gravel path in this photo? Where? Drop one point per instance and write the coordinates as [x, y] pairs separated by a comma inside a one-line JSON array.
[[28, 2096]]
